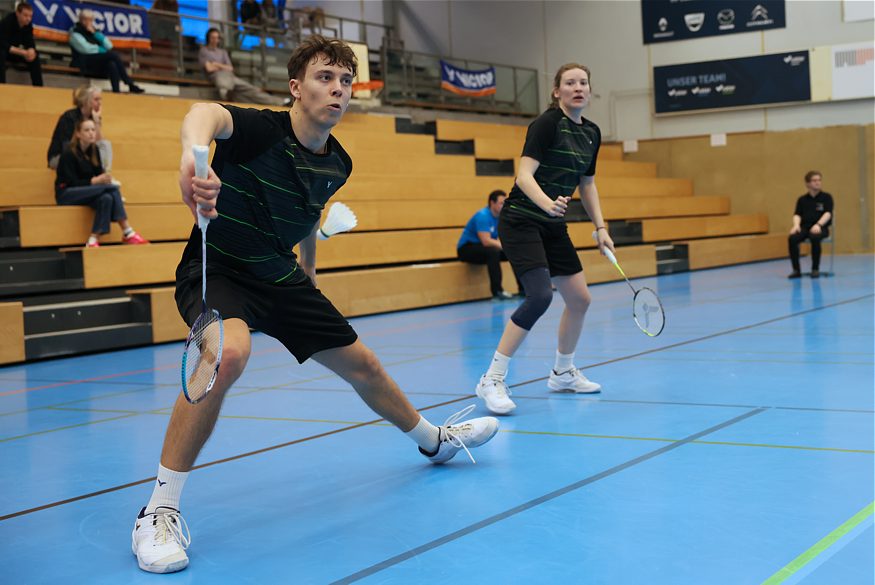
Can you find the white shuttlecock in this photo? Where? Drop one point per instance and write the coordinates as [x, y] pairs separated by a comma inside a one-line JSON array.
[[340, 219]]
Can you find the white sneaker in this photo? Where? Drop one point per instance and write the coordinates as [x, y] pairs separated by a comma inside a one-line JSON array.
[[495, 394], [159, 540], [572, 381], [455, 436]]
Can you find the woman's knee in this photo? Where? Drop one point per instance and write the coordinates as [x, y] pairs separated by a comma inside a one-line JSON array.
[[536, 304], [579, 301]]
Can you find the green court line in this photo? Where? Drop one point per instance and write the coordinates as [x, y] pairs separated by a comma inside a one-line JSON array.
[[824, 543], [663, 440], [798, 362]]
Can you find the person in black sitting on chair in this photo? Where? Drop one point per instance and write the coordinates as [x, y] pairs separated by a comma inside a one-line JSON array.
[[811, 221]]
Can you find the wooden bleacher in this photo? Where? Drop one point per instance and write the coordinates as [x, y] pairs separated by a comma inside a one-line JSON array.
[[411, 204]]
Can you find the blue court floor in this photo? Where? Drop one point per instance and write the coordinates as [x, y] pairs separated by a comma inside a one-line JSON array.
[[735, 448]]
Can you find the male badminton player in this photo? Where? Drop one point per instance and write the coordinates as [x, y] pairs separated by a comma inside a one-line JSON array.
[[559, 156], [270, 177]]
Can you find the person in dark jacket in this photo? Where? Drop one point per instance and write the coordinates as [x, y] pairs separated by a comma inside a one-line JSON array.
[[88, 100], [16, 43], [93, 54], [81, 180]]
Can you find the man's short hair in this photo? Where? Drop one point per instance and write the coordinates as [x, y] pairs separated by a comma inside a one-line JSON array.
[[493, 197], [23, 5], [209, 32], [335, 51], [811, 174]]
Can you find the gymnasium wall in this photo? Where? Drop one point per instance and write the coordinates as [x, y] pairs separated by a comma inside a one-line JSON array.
[[606, 35], [763, 172]]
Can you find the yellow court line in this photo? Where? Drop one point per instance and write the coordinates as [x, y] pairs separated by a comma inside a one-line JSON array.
[[163, 412]]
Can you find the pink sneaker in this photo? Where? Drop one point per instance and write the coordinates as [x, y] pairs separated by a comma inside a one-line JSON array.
[[135, 238], [94, 244]]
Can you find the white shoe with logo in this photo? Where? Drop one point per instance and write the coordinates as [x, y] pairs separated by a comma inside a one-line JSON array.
[[572, 381], [495, 394], [159, 540], [456, 435]]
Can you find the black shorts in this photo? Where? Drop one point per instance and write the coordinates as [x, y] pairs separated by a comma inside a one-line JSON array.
[[298, 315], [529, 243]]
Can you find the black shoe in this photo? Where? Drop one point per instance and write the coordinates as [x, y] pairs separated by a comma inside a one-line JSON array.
[[794, 274], [134, 88], [502, 296], [815, 274]]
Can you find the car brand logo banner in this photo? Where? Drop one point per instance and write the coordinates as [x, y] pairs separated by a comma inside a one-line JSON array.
[[125, 26], [671, 20], [732, 83], [467, 83]]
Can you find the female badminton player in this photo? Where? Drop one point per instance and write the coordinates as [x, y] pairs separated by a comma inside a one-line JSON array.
[[559, 156]]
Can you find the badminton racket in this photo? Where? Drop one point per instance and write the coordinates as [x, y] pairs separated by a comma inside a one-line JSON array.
[[646, 307], [203, 348]]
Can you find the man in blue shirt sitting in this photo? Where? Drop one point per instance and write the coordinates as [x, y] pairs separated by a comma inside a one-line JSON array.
[[479, 243]]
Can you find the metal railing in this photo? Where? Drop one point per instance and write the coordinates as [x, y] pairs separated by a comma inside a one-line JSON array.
[[413, 78], [262, 61]]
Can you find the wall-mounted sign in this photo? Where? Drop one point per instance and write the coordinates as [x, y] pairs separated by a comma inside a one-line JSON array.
[[732, 83], [674, 20]]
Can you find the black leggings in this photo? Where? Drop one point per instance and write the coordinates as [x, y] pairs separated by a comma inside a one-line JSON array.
[[107, 64], [795, 239], [492, 257]]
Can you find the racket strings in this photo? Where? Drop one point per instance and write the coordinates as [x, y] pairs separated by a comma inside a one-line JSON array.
[[204, 353], [648, 312]]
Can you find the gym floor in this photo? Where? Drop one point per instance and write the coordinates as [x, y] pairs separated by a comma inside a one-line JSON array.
[[736, 447]]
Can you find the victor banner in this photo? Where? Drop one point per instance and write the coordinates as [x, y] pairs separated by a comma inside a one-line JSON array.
[[125, 26], [467, 83]]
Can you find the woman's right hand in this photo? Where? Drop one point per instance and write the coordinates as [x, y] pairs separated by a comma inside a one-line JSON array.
[[555, 208], [101, 179]]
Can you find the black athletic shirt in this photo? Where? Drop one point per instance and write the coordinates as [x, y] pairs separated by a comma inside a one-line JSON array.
[[273, 191], [566, 151], [810, 209]]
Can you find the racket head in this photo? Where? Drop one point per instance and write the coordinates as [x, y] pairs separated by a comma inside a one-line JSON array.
[[648, 312], [202, 356]]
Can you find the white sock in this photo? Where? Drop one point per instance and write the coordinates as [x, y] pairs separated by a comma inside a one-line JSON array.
[[564, 362], [168, 489], [128, 231], [498, 367], [426, 435], [91, 240]]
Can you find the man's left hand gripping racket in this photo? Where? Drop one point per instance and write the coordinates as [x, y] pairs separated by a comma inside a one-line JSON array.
[[203, 348]]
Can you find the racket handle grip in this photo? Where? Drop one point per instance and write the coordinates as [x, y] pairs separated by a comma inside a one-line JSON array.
[[201, 170], [608, 254]]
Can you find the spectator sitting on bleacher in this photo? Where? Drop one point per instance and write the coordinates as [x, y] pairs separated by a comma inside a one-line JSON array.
[[82, 180], [217, 65], [16, 43], [479, 243], [250, 12], [93, 54], [269, 14], [88, 100]]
